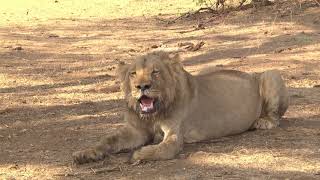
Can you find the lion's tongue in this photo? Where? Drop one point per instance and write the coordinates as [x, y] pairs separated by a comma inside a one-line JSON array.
[[146, 104]]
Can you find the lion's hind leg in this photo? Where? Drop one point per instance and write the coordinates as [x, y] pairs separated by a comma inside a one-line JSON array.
[[275, 100]]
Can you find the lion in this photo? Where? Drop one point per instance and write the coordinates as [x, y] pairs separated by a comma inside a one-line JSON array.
[[166, 107]]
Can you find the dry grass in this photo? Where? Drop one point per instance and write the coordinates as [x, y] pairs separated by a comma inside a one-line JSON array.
[[59, 93]]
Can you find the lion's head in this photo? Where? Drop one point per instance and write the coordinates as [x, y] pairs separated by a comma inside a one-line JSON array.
[[151, 83]]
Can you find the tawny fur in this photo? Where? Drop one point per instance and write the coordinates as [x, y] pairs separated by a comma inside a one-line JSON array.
[[190, 108]]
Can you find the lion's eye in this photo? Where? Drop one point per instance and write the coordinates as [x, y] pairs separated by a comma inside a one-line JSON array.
[[133, 73], [155, 71]]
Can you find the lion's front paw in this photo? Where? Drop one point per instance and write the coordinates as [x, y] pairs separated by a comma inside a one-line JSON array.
[[89, 155]]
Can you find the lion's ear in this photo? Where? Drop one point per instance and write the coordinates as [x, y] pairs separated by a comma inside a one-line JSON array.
[[174, 58], [122, 70]]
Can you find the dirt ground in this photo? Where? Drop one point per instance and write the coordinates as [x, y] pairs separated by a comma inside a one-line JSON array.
[[58, 92]]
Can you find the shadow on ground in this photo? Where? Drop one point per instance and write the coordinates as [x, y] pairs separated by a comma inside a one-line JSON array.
[[80, 56]]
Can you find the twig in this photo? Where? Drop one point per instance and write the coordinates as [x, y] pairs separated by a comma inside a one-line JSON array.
[[104, 170], [92, 171], [203, 9], [241, 3], [188, 14]]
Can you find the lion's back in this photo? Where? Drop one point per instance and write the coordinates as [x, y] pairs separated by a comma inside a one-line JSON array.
[[227, 103]]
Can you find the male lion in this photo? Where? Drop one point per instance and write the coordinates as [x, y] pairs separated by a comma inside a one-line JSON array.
[[163, 100]]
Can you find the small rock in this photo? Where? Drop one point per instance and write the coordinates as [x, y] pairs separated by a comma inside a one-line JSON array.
[[111, 68], [182, 156], [132, 50], [53, 36], [154, 46], [317, 86], [200, 26], [18, 48], [13, 166], [279, 50], [297, 96], [23, 130]]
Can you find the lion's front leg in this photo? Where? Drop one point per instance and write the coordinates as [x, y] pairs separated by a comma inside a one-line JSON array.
[[127, 137], [167, 149]]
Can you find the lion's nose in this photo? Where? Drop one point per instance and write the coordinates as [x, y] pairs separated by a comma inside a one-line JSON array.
[[143, 87]]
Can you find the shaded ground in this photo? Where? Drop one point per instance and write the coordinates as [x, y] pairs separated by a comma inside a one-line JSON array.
[[59, 93]]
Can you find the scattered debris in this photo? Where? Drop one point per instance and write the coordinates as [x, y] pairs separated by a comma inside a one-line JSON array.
[[66, 174], [132, 50], [136, 163], [297, 96], [53, 36], [293, 77], [190, 14], [200, 26], [182, 156], [279, 51], [91, 171], [23, 130], [190, 46], [18, 48], [155, 46], [282, 50], [238, 57], [185, 44], [13, 166], [104, 170]]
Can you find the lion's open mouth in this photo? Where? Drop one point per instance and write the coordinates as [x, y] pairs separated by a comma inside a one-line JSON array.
[[147, 104]]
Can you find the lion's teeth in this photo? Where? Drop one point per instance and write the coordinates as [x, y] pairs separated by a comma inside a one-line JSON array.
[[146, 107]]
